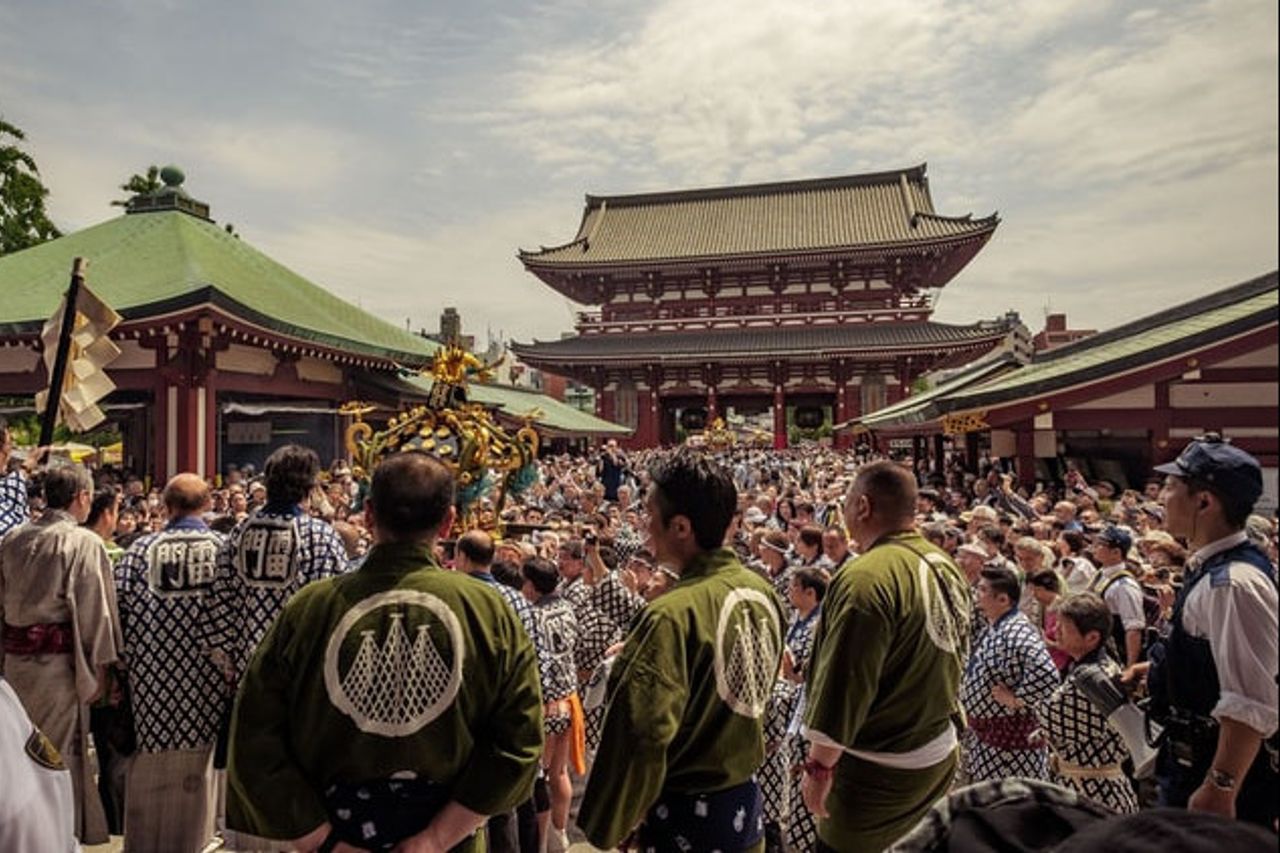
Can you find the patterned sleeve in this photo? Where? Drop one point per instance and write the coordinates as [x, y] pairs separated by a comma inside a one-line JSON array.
[[222, 614], [126, 577], [13, 501], [1027, 668], [614, 601], [595, 635], [327, 556]]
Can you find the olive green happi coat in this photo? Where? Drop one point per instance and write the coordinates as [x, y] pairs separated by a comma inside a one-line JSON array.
[[360, 679], [888, 660], [686, 696]]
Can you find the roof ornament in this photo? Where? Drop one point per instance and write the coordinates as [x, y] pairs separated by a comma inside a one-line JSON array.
[[463, 435], [170, 196]]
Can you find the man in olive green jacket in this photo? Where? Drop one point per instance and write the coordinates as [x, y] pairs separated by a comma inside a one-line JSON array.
[[396, 704], [882, 690], [683, 734]]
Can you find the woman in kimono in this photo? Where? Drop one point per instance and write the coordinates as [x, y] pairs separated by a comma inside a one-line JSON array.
[[1085, 750]]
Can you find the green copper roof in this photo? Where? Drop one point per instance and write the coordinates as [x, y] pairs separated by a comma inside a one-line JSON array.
[[1185, 327], [1167, 334], [915, 409], [555, 416], [147, 263]]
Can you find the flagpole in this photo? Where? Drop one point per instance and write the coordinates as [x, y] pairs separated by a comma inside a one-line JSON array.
[[54, 401]]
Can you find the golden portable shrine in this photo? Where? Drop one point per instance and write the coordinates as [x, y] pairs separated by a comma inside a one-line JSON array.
[[462, 434]]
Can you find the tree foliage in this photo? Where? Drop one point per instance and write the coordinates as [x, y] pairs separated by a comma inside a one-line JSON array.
[[23, 219], [140, 185]]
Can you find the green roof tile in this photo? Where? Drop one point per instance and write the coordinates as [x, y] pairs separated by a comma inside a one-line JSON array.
[[555, 417], [144, 263], [1128, 346]]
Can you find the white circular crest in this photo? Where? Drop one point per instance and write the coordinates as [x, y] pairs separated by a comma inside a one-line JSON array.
[[396, 688], [947, 629], [747, 653]]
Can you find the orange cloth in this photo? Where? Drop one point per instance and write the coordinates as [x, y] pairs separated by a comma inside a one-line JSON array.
[[577, 736]]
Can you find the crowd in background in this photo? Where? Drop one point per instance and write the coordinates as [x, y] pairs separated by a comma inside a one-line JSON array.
[[1059, 572]]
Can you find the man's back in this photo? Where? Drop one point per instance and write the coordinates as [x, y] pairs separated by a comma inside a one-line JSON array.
[[893, 636], [177, 690], [268, 557], [52, 570], [396, 668], [687, 695]]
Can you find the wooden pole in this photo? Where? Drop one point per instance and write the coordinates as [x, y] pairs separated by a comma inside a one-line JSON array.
[[54, 401]]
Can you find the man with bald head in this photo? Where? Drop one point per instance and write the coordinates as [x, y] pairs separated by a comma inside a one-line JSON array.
[[178, 691], [882, 691]]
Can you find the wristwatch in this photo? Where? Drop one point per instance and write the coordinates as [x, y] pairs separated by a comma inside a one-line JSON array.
[[1220, 779]]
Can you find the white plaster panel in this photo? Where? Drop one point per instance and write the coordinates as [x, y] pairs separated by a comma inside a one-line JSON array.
[[18, 359], [1268, 356], [239, 358], [1214, 395], [1135, 398], [319, 370], [133, 356]]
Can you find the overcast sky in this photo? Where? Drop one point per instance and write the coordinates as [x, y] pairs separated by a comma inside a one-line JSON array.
[[399, 152]]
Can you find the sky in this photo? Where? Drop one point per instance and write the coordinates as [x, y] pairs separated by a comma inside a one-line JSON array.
[[399, 152]]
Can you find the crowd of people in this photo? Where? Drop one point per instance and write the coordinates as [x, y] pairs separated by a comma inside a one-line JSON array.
[[748, 649]]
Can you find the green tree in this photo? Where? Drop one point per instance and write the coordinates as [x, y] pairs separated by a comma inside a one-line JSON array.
[[140, 185], [23, 219]]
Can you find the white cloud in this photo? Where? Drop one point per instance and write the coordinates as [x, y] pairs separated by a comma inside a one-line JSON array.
[[469, 265]]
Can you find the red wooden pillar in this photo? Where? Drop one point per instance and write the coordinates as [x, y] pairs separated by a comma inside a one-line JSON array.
[[849, 406], [609, 406], [646, 434], [163, 431], [779, 418], [1026, 448], [210, 444], [1162, 450]]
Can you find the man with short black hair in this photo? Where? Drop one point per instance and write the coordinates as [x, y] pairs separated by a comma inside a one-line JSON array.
[[396, 704], [1213, 680], [683, 734], [998, 742], [881, 688], [61, 630], [557, 631], [276, 550]]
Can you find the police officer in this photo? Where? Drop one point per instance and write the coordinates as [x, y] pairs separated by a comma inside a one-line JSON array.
[[1213, 681], [37, 808]]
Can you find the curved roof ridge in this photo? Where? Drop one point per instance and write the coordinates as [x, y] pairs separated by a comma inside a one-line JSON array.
[[1219, 298], [912, 173], [992, 218]]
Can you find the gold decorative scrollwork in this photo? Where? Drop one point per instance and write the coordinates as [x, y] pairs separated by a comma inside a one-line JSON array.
[[961, 423], [461, 434]]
